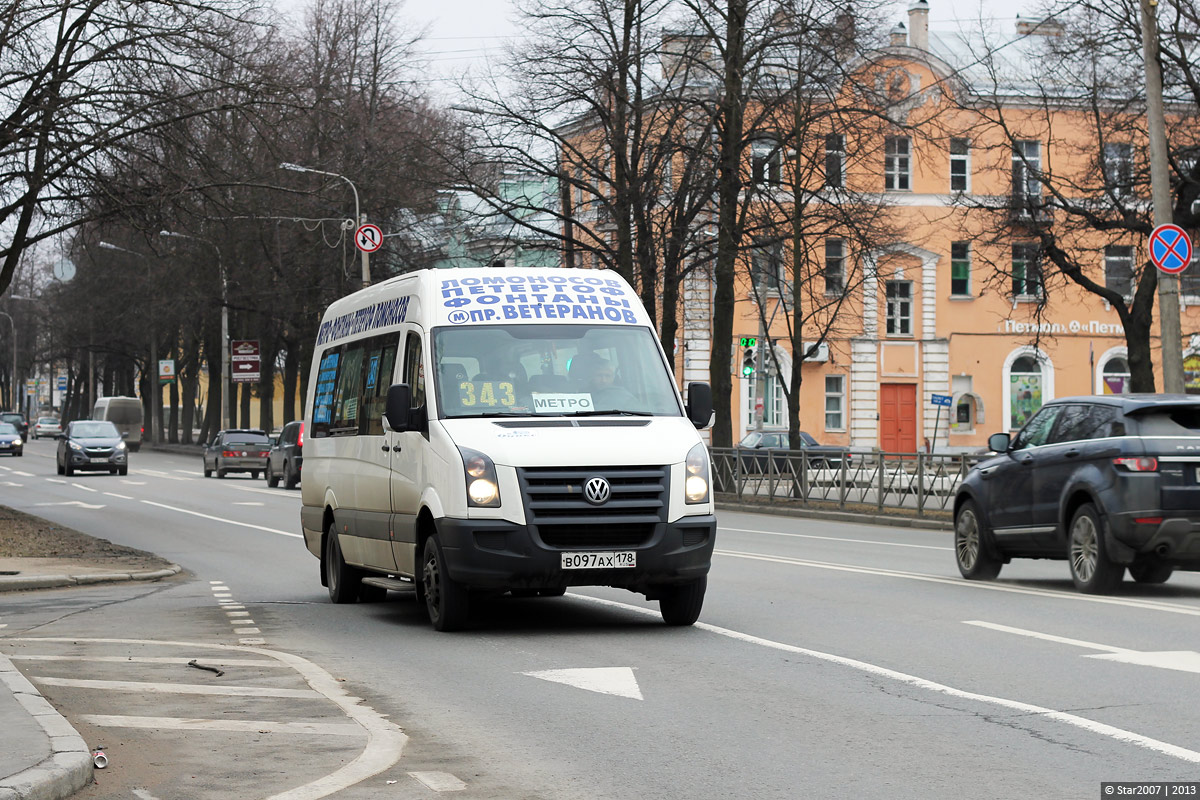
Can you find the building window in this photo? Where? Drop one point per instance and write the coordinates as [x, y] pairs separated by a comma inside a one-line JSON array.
[[897, 164], [835, 402], [1026, 271], [1026, 165], [1189, 279], [1118, 269], [835, 268], [1026, 390], [1115, 375], [766, 161], [767, 263], [960, 269], [1118, 167], [960, 165], [899, 308], [835, 160]]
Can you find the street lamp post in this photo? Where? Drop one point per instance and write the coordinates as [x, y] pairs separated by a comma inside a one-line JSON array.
[[12, 380], [224, 322], [152, 370], [359, 219]]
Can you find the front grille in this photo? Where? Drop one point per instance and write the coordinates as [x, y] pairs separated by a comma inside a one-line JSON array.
[[558, 513], [98, 452]]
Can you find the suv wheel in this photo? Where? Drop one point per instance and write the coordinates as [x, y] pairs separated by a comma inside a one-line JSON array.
[[974, 561], [272, 478], [1091, 569], [1150, 571]]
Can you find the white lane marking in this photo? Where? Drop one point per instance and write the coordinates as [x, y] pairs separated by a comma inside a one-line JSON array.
[[605, 680], [1128, 602], [1083, 723], [4, 625], [226, 521], [217, 583], [6, 469], [120, 496], [134, 483], [238, 613], [246, 631], [14, 484], [439, 781], [835, 538], [268, 492], [221, 662], [85, 488], [191, 472], [252, 641], [70, 503], [1179, 660], [22, 474], [244, 726], [55, 480], [385, 741], [250, 503], [142, 794], [175, 688]]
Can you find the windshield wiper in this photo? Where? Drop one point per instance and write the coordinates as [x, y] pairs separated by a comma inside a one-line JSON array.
[[612, 411], [490, 414]]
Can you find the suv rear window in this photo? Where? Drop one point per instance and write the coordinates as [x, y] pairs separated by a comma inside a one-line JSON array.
[[1177, 421]]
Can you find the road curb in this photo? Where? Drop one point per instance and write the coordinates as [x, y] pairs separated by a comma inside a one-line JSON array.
[[17, 583], [69, 766], [839, 516]]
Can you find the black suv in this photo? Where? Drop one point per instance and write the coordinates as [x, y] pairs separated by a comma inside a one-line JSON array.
[[1105, 482], [286, 456]]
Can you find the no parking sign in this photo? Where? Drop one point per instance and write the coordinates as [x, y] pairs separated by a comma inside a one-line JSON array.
[[1170, 249]]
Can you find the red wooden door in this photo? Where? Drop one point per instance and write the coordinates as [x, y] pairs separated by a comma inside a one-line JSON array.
[[898, 417]]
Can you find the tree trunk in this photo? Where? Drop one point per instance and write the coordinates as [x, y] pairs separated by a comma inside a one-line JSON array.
[[291, 361]]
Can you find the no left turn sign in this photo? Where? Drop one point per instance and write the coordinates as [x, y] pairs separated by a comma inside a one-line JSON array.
[[368, 238]]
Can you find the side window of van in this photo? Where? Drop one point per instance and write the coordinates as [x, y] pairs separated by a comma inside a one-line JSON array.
[[347, 395], [414, 370], [380, 361], [323, 398], [351, 390]]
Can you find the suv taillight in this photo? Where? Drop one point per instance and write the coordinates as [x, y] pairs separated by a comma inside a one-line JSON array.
[[1142, 464]]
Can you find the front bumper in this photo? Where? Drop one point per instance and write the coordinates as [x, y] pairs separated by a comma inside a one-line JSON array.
[[495, 554], [9, 447], [82, 461]]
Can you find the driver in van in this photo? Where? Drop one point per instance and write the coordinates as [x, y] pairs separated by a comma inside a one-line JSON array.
[[595, 374]]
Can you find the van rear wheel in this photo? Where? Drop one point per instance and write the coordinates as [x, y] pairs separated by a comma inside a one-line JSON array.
[[343, 580], [447, 601], [680, 605]]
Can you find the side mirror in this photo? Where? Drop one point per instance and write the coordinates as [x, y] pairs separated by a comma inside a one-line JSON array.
[[999, 442], [699, 404], [399, 407]]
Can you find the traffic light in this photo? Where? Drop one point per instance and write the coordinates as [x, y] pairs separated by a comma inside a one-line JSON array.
[[748, 362]]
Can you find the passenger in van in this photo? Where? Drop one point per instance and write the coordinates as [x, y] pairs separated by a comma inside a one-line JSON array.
[[593, 373]]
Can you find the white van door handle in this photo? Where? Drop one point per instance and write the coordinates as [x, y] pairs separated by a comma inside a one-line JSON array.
[[395, 448], [385, 448]]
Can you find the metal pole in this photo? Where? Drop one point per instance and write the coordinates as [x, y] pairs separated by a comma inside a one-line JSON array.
[[225, 383], [366, 269], [1170, 330]]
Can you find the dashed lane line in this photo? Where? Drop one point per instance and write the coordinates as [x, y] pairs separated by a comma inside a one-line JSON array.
[[833, 538], [226, 521]]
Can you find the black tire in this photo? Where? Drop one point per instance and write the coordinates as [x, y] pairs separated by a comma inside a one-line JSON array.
[[681, 605], [290, 478], [220, 473], [1092, 571], [272, 478], [1150, 572], [970, 545], [207, 471], [68, 470], [556, 592], [59, 467], [253, 474], [447, 601], [123, 471], [112, 471], [344, 581]]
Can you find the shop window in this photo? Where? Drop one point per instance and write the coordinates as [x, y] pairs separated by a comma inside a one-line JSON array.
[[897, 164], [960, 269], [960, 165], [1115, 375], [899, 308], [1191, 373], [835, 402], [1026, 390]]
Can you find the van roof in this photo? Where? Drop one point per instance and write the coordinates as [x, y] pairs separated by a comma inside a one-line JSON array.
[[482, 296]]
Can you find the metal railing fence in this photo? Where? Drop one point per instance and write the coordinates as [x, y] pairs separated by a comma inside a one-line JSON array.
[[923, 482]]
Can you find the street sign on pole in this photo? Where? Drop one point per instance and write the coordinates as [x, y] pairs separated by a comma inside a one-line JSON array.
[[245, 358], [941, 400], [368, 237], [1170, 249]]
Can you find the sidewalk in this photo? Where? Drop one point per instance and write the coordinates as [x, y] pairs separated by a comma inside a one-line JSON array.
[[41, 755]]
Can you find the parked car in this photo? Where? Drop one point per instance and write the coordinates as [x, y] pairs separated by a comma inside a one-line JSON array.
[[754, 446], [236, 450], [1107, 483], [285, 457], [17, 420], [47, 426], [90, 444], [10, 439]]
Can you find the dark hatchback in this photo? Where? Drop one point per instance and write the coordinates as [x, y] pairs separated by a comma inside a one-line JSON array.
[[17, 420], [236, 450], [93, 445], [1105, 482], [754, 446], [286, 456]]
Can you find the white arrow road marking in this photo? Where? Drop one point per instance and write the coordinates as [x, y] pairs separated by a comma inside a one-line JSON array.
[[1181, 660], [439, 781], [85, 488], [605, 680], [1074, 720], [70, 503]]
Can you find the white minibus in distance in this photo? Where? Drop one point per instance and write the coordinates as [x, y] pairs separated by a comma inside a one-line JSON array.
[[126, 414], [472, 432]]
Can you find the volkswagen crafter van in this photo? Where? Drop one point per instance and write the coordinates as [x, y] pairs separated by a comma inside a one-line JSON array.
[[472, 432]]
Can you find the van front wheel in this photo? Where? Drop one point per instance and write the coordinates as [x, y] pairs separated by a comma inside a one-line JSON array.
[[446, 600], [680, 605]]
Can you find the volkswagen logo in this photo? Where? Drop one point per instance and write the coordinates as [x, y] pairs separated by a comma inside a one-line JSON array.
[[597, 491]]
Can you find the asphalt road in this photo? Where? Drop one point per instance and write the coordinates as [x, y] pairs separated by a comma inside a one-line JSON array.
[[832, 660]]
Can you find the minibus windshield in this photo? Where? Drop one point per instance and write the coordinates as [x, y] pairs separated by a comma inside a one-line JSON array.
[[550, 370]]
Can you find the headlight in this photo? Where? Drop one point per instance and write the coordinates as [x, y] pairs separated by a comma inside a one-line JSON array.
[[120, 446], [483, 490], [695, 485], [17, 442], [75, 446]]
